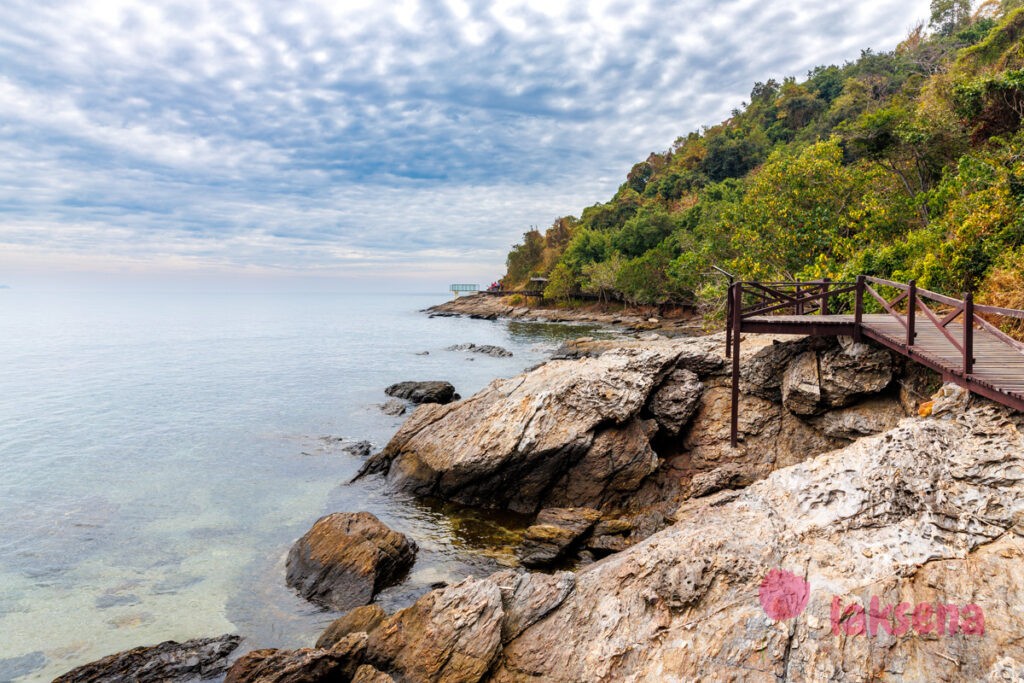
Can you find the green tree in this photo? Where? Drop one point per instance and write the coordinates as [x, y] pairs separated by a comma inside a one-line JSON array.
[[562, 283]]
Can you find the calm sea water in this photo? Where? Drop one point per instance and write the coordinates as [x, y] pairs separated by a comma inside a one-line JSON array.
[[159, 453]]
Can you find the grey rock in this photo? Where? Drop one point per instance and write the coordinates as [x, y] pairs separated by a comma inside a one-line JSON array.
[[360, 449], [168, 661], [393, 407], [485, 349], [423, 392], [676, 401], [801, 385]]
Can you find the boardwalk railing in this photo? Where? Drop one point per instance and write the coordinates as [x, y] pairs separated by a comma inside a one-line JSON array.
[[954, 337]]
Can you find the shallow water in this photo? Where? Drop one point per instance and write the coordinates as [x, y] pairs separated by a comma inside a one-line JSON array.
[[160, 452]]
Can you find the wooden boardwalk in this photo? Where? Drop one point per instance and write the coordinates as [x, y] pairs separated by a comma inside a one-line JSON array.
[[953, 337]]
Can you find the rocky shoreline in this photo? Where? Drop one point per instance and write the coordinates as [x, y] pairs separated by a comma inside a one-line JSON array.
[[846, 538], [490, 307]]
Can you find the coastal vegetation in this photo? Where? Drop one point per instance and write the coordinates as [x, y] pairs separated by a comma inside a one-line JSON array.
[[906, 164]]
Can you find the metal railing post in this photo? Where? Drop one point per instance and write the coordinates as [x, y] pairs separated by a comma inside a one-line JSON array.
[[911, 311], [825, 283], [858, 309], [728, 321], [968, 333], [737, 317]]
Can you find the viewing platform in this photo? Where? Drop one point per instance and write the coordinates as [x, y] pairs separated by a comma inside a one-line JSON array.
[[953, 337]]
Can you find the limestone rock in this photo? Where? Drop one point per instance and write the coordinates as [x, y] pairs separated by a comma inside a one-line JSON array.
[[853, 370], [301, 666], [168, 661], [761, 373], [359, 620], [423, 392], [872, 416], [675, 401], [531, 430], [801, 385], [346, 558], [921, 513], [950, 399]]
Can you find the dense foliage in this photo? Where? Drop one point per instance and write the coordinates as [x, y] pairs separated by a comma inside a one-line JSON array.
[[903, 164]]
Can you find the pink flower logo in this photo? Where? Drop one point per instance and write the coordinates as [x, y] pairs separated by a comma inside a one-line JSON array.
[[783, 594]]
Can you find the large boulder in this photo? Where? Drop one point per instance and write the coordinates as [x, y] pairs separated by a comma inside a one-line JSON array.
[[423, 392], [346, 558], [853, 370], [168, 661], [801, 385], [514, 442]]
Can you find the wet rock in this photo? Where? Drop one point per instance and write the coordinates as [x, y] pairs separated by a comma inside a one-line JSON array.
[[360, 449], [801, 385], [485, 349], [676, 400], [452, 634], [359, 620], [346, 558], [554, 531], [168, 661], [393, 407], [423, 392], [340, 663]]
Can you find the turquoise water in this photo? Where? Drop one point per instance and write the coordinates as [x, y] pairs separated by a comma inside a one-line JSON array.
[[160, 452]]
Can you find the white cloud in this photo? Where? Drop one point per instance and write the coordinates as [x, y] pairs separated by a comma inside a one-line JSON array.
[[322, 136]]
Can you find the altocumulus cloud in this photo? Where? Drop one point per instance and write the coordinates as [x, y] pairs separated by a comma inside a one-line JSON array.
[[362, 138]]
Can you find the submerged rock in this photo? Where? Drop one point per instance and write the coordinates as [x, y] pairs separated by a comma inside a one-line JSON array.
[[169, 661], [423, 392], [393, 407], [346, 558], [360, 449], [485, 349]]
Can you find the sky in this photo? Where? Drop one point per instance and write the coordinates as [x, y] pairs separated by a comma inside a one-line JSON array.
[[352, 143]]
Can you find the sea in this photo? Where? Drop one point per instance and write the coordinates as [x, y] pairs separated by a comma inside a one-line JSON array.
[[160, 453]]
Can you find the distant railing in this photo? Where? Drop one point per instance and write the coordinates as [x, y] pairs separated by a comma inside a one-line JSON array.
[[464, 288]]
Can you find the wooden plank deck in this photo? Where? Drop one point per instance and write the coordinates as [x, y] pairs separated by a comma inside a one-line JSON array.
[[998, 367]]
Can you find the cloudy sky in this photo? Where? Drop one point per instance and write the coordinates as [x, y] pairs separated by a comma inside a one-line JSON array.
[[350, 141]]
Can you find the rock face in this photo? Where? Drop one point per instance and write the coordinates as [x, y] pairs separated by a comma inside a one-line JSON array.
[[893, 516], [485, 349], [423, 392], [798, 577], [346, 558], [538, 428], [340, 663], [168, 661], [675, 402]]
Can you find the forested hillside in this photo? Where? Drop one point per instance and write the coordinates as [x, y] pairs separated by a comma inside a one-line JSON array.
[[903, 164]]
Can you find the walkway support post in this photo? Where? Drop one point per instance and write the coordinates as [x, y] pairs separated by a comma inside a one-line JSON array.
[[968, 334], [911, 311], [825, 283], [728, 323], [858, 310], [736, 294]]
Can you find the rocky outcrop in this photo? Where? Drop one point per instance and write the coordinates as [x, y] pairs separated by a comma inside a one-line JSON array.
[[169, 661], [675, 402], [423, 392], [485, 349], [536, 429], [803, 575], [346, 558]]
